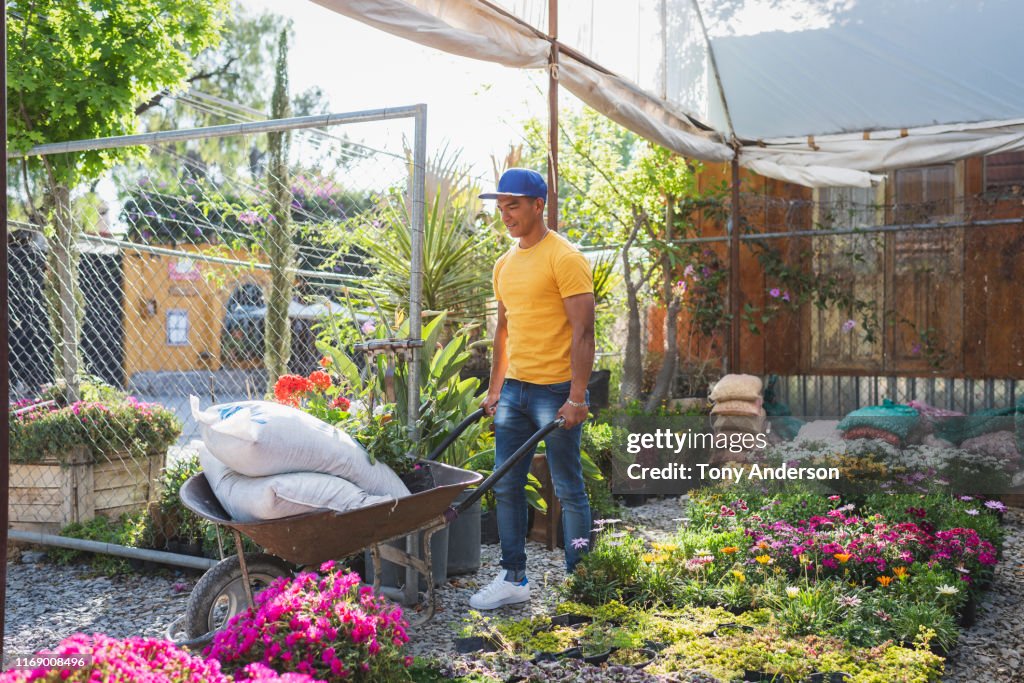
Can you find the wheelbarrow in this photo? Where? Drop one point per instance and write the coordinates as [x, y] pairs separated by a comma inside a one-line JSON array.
[[309, 539]]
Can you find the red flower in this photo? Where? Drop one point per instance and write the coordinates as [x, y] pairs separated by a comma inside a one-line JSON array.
[[341, 402], [325, 362], [288, 387], [320, 380]]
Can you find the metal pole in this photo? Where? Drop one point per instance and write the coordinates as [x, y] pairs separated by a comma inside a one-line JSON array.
[[146, 554], [734, 269], [5, 472], [271, 126], [553, 117], [419, 175]]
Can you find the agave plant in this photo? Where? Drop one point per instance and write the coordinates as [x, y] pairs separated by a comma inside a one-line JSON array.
[[460, 245]]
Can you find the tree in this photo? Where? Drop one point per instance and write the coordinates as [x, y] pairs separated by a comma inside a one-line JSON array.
[[279, 247], [623, 191], [79, 71]]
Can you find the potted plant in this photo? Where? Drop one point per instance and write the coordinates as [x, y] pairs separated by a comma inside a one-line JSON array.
[[98, 456]]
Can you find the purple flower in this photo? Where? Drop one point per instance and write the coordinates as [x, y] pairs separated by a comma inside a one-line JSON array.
[[368, 327], [774, 292], [849, 325], [579, 543], [916, 348], [785, 296], [995, 505], [688, 271], [248, 217]]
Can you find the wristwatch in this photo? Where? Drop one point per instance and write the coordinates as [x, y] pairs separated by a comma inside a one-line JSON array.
[[574, 404]]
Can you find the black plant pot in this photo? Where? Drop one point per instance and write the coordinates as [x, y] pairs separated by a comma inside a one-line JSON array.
[[632, 500], [464, 535], [597, 657], [829, 677], [570, 619], [475, 644], [489, 528], [969, 613], [599, 388], [417, 480]]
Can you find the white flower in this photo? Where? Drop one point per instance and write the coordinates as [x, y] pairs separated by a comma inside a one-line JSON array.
[[792, 591], [946, 589], [972, 512]]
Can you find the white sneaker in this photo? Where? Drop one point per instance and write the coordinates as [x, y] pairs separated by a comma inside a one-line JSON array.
[[500, 592]]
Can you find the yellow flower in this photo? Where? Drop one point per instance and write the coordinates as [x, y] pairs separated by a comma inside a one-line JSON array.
[[884, 580], [647, 557], [764, 559], [842, 557], [900, 573], [740, 576], [804, 559], [729, 549], [667, 547]]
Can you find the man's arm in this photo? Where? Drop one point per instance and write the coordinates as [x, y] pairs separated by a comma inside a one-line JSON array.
[[579, 309], [499, 362]]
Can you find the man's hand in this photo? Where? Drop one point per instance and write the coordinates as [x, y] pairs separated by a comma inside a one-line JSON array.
[[490, 402], [573, 415]]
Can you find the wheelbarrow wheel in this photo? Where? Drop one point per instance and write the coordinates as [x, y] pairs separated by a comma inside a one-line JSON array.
[[220, 593]]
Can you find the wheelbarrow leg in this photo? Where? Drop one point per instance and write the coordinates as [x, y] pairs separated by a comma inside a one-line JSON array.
[[428, 609], [375, 560], [245, 569]]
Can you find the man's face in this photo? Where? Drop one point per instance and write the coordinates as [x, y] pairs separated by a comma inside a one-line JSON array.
[[521, 215]]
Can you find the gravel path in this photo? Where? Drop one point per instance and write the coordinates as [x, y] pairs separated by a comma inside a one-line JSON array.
[[46, 602]]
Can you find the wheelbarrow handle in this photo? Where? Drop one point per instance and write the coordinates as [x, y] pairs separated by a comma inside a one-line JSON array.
[[455, 434], [488, 483]]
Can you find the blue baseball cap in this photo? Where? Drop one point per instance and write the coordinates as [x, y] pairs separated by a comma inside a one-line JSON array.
[[519, 182]]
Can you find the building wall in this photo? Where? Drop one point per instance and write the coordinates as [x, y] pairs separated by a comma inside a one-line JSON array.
[[157, 284], [962, 288]]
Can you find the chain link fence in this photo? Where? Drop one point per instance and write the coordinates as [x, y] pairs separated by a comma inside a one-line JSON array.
[[187, 271]]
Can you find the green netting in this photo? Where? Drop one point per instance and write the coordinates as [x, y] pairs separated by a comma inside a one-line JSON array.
[[890, 417]]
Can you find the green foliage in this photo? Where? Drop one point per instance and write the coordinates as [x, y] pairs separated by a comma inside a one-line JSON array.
[[101, 427], [128, 530], [78, 71], [460, 246], [184, 524]]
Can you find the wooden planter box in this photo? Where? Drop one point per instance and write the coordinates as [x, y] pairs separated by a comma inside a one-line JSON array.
[[47, 495]]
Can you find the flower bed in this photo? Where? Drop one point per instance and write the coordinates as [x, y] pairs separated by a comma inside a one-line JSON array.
[[70, 464], [324, 625], [792, 584], [101, 658]]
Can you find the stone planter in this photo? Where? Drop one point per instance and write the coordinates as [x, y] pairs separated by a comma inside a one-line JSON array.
[[48, 495]]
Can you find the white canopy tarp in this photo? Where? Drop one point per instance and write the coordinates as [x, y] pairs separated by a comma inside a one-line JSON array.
[[817, 92]]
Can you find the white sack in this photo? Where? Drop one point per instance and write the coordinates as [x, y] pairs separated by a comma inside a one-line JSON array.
[[252, 499], [261, 438]]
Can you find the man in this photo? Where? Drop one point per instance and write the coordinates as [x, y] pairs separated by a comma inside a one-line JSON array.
[[543, 355]]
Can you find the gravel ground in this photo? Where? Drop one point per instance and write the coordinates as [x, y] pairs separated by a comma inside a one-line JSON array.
[[46, 602]]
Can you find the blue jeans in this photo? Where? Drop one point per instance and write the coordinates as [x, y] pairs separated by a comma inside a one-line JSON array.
[[522, 410]]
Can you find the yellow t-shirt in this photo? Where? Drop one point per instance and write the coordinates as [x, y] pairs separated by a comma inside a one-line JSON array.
[[531, 283]]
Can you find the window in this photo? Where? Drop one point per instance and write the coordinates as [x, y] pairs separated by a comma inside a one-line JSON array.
[[177, 327], [925, 194], [1004, 171]]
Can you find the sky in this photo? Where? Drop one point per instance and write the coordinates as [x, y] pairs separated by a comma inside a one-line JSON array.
[[472, 105]]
